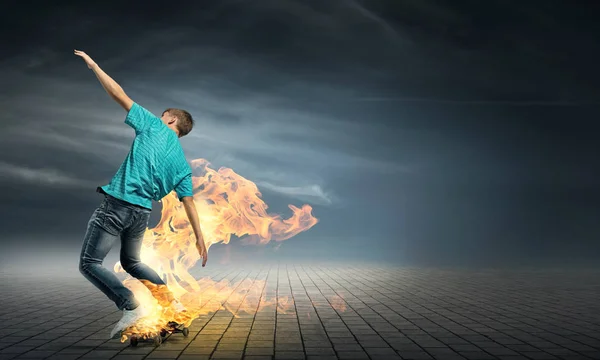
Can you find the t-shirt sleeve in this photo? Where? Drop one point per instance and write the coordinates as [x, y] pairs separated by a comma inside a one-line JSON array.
[[140, 119], [184, 188]]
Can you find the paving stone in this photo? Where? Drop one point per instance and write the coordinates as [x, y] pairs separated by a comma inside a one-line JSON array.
[[259, 351], [99, 354], [193, 357], [227, 355], [352, 312], [198, 351], [291, 355], [349, 355]]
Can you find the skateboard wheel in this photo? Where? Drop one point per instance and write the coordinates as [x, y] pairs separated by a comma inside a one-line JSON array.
[[157, 340], [163, 333], [133, 341], [185, 331]]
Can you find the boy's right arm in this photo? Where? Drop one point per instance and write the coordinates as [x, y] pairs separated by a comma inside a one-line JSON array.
[[113, 89]]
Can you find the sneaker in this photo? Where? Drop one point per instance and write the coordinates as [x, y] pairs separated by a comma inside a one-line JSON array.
[[178, 306], [179, 314], [129, 318]]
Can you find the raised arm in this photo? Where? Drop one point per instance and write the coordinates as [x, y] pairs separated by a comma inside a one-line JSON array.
[[113, 89]]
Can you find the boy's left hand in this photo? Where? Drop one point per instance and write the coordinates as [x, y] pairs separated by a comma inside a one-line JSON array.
[[202, 251]]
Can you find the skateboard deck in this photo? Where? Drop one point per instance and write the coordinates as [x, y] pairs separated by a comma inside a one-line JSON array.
[[172, 327]]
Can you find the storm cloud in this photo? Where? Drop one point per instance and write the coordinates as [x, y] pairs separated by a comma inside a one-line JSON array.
[[418, 130]]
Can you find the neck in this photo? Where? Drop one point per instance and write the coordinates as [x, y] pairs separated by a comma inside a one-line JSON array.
[[174, 130]]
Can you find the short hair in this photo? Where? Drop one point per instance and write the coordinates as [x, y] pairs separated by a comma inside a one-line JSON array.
[[185, 121]]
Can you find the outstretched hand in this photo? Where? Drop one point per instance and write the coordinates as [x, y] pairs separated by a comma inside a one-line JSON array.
[[88, 60]]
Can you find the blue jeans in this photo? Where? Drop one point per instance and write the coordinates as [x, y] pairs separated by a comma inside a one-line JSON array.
[[115, 219]]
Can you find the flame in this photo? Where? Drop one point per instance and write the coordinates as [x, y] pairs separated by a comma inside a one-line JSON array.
[[227, 205]]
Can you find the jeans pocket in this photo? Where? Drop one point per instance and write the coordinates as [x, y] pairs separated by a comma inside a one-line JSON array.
[[139, 223], [99, 215], [104, 210]]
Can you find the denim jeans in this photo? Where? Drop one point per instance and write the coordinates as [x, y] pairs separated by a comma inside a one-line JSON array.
[[116, 219]]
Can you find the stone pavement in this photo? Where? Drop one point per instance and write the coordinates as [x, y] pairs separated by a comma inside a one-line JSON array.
[[325, 312]]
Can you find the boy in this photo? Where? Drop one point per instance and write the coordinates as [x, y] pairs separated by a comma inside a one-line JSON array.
[[154, 167]]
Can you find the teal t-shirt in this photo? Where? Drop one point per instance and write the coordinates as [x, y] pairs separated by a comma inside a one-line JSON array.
[[155, 165]]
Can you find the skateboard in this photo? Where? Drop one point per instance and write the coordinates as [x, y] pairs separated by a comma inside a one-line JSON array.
[[157, 339]]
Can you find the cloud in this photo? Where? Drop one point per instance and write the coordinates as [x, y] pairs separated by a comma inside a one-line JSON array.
[[371, 16], [268, 127], [477, 101], [41, 176], [310, 193], [248, 114]]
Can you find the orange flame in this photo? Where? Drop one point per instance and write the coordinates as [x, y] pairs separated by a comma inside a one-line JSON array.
[[227, 205]]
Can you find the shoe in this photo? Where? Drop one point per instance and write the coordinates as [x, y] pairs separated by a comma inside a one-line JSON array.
[[178, 306], [179, 314], [129, 318]]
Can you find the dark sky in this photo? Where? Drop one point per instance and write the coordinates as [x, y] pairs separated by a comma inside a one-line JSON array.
[[442, 132]]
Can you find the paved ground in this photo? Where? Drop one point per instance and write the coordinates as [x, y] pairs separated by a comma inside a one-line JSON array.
[[338, 312]]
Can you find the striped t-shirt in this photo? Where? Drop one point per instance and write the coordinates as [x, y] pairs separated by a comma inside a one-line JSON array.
[[155, 165]]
